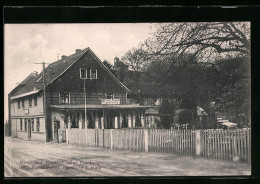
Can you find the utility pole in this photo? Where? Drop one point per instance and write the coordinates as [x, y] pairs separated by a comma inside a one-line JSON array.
[[85, 107], [44, 98]]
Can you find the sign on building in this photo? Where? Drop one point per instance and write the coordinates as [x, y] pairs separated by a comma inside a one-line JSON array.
[[26, 111], [110, 101]]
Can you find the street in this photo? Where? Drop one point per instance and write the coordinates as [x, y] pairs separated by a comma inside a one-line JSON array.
[[35, 159]]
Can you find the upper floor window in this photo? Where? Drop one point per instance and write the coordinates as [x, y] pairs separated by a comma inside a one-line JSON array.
[[23, 103], [87, 73], [83, 73], [30, 102], [35, 101], [19, 105], [64, 98], [93, 73], [109, 95]]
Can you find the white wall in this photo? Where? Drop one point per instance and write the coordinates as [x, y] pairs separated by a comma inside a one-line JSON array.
[[33, 110]]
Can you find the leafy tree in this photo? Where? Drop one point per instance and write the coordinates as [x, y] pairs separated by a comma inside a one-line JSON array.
[[197, 63], [166, 111], [136, 59], [109, 66], [233, 88]]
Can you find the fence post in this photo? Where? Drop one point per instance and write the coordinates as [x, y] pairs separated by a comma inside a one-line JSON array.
[[198, 143], [67, 136], [146, 140], [111, 138]]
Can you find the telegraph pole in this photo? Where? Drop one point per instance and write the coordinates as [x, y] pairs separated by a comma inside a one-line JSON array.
[[44, 98], [85, 107]]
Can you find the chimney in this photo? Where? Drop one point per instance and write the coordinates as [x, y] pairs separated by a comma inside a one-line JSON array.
[[63, 57], [78, 50]]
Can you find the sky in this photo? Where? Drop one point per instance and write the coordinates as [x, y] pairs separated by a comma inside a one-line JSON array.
[[26, 44]]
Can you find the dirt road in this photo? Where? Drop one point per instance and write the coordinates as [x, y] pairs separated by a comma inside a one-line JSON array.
[[35, 159]]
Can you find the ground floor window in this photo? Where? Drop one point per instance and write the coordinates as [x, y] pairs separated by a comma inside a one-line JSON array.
[[21, 124], [37, 124], [33, 125], [25, 125]]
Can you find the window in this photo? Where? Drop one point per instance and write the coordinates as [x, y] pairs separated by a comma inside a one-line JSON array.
[[32, 125], [64, 98], [30, 102], [83, 73], [37, 124], [21, 124], [87, 73], [109, 96], [23, 103], [35, 101], [25, 125], [19, 105], [93, 73]]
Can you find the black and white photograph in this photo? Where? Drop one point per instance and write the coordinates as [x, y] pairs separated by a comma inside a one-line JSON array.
[[127, 99]]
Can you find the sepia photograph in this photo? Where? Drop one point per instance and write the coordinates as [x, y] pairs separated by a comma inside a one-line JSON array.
[[127, 99]]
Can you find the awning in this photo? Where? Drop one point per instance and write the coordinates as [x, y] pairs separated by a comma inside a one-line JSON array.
[[99, 107]]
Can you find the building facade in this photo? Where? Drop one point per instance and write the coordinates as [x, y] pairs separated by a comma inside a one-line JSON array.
[[77, 91]]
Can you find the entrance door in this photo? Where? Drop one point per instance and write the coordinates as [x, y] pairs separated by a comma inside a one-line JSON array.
[[56, 128], [29, 128]]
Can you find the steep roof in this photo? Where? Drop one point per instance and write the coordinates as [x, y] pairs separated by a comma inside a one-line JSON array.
[[27, 80], [55, 70]]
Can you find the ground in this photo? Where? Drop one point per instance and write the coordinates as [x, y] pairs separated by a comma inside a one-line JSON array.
[[34, 159]]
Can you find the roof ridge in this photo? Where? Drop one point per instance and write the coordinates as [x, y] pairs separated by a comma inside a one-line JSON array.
[[49, 82], [111, 74], [58, 70]]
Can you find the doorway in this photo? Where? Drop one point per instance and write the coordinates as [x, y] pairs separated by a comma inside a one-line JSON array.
[[56, 128]]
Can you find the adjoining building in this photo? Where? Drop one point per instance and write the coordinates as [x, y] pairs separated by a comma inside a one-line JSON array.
[[79, 91]]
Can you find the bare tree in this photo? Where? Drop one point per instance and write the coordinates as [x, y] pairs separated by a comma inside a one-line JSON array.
[[202, 39]]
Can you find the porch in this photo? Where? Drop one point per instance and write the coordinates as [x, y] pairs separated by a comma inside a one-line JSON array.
[[96, 117]]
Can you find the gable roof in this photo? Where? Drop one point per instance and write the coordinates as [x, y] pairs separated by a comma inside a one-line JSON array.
[[27, 80], [55, 70]]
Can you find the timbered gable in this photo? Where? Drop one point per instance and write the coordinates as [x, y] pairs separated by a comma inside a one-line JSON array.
[[99, 82]]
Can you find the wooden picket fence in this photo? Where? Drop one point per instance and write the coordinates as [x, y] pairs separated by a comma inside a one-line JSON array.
[[217, 144], [160, 140], [84, 137], [227, 144], [128, 139], [180, 142]]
